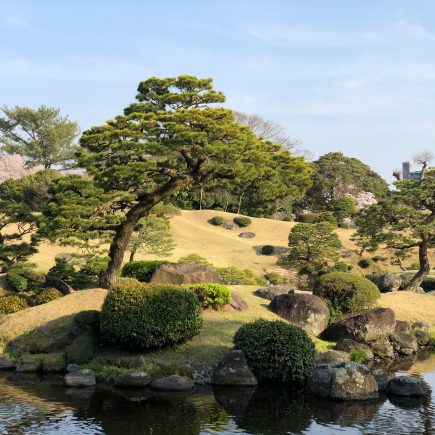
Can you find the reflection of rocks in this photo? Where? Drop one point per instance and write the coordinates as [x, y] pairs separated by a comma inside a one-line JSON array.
[[173, 383], [234, 399]]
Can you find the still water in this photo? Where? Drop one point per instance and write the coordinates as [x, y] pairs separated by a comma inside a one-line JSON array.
[[35, 405]]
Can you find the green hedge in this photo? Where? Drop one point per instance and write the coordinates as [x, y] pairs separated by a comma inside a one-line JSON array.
[[276, 351], [217, 221], [16, 282], [346, 293], [242, 221], [211, 295], [145, 316], [12, 303], [141, 270]]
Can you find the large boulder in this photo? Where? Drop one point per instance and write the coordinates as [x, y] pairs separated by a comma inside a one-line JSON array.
[[365, 327], [238, 303], [272, 291], [389, 282], [307, 311], [332, 356], [381, 378], [405, 386], [137, 379], [347, 345], [184, 273], [173, 383], [83, 348], [422, 337], [382, 348], [234, 371], [80, 378], [404, 344], [344, 380]]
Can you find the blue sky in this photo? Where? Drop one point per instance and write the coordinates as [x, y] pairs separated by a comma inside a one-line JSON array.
[[351, 76]]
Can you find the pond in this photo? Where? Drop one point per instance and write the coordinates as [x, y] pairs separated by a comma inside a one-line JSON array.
[[36, 405]]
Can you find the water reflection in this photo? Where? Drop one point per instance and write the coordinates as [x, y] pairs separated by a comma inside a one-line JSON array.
[[32, 405]]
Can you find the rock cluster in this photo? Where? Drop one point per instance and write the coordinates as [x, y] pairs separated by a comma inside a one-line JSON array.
[[184, 273]]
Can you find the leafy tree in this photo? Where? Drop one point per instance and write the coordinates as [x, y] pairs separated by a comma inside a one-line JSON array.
[[335, 174], [19, 200], [41, 135], [313, 246], [172, 137], [402, 221], [342, 208], [152, 236]]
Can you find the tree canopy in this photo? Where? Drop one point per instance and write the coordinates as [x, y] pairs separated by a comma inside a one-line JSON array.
[[173, 136], [42, 136], [402, 221]]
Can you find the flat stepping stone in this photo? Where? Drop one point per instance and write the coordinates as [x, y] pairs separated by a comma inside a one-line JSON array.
[[173, 383], [136, 379], [80, 378]]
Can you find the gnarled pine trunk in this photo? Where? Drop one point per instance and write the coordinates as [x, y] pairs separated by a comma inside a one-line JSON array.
[[424, 270], [126, 229]]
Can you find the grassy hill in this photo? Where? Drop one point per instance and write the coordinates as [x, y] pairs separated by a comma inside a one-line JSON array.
[[193, 234]]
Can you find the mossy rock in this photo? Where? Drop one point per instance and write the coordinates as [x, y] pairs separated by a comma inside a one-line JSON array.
[[83, 348], [52, 362]]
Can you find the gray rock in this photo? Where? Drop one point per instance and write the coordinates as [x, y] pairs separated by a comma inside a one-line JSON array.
[[405, 386], [403, 327], [173, 383], [238, 303], [247, 235], [29, 365], [332, 356], [347, 345], [234, 370], [364, 328], [381, 379], [389, 282], [422, 325], [80, 378], [6, 364], [184, 273], [404, 344], [307, 311], [344, 381], [83, 348], [231, 226], [70, 368], [422, 337], [382, 348], [133, 380], [271, 291]]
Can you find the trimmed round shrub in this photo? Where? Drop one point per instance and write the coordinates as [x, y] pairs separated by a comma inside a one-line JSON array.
[[211, 295], [16, 282], [145, 316], [274, 278], [267, 250], [12, 303], [141, 270], [365, 263], [47, 295], [346, 293], [276, 351], [242, 221], [217, 220]]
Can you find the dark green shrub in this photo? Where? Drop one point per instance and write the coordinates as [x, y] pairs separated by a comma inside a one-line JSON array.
[[308, 218], [87, 319], [267, 250], [217, 220], [428, 284], [242, 221], [147, 316], [234, 276], [141, 270], [344, 226], [342, 267], [194, 259], [16, 282], [276, 351], [47, 295], [364, 263], [12, 303], [274, 278], [346, 293], [326, 216], [211, 295]]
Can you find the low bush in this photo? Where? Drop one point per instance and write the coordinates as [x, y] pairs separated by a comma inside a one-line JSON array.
[[428, 284], [211, 295], [346, 293], [17, 283], [267, 250], [414, 266], [12, 303], [194, 259], [242, 221], [234, 276], [47, 295], [141, 270], [274, 278], [217, 221], [365, 263], [341, 266], [276, 351], [145, 316]]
